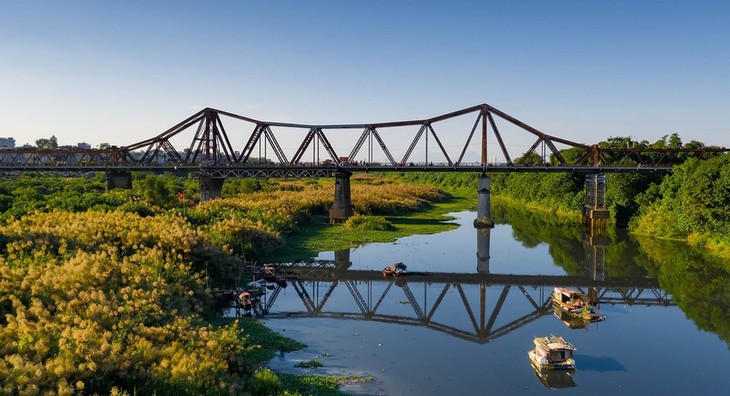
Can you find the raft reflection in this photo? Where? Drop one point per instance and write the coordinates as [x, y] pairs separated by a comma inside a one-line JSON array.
[[555, 378]]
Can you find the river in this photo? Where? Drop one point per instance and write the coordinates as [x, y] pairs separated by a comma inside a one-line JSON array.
[[467, 332]]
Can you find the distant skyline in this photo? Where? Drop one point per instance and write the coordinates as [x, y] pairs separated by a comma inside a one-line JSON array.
[[121, 72]]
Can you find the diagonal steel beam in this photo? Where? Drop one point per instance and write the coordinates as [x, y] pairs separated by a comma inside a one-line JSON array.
[[413, 144], [441, 146], [468, 139]]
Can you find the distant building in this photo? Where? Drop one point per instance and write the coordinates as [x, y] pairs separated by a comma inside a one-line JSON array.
[[83, 145], [7, 142]]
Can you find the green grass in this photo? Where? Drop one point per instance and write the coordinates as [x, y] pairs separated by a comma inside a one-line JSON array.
[[269, 341], [317, 384], [309, 364], [320, 236]]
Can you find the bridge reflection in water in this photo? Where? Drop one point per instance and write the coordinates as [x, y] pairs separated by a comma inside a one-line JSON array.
[[320, 282]]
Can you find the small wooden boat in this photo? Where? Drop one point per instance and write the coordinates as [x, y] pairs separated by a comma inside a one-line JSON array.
[[574, 307], [569, 300], [552, 353], [396, 269]]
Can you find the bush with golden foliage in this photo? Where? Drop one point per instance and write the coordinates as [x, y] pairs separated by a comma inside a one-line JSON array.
[[111, 302], [95, 300]]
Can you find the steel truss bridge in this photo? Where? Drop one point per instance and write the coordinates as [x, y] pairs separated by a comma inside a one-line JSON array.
[[316, 282], [246, 147]]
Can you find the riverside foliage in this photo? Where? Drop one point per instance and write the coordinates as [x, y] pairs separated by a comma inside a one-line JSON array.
[[692, 203], [98, 298]]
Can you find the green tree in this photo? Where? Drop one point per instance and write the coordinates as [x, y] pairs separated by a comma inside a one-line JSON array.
[[50, 143]]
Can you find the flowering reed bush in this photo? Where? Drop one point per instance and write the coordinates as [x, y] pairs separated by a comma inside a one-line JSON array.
[[392, 198], [111, 301], [90, 301]]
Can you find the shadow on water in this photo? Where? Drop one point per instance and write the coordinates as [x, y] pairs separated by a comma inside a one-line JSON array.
[[599, 363]]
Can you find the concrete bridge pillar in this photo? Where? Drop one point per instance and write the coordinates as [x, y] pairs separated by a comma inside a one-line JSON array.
[[342, 209], [595, 212], [342, 260], [210, 187], [595, 244], [483, 241], [484, 212], [115, 179]]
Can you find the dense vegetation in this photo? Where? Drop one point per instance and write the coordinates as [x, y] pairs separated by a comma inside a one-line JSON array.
[[107, 292], [691, 204], [698, 281]]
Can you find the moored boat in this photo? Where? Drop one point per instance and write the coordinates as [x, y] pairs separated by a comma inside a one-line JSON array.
[[570, 300], [574, 307], [552, 353], [396, 269]]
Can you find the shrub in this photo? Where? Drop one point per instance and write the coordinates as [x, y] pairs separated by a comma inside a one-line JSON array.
[[371, 223]]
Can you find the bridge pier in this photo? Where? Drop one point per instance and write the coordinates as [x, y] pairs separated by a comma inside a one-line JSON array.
[[342, 260], [595, 212], [484, 212], [210, 187], [595, 243], [483, 241], [116, 179], [342, 208]]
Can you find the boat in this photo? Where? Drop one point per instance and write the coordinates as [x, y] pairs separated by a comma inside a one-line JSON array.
[[396, 269], [570, 300], [574, 308], [552, 353]]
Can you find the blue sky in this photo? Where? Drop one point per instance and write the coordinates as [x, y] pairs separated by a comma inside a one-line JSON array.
[[120, 72]]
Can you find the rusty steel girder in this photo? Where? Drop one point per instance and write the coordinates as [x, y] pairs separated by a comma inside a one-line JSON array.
[[211, 148]]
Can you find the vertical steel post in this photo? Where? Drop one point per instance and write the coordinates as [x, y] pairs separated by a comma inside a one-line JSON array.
[[485, 160]]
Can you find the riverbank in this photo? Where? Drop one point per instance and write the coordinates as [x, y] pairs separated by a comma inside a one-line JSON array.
[[319, 235]]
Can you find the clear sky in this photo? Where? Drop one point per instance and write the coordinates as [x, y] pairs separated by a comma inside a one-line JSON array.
[[123, 71]]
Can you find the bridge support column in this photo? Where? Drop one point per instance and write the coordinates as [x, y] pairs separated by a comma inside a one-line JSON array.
[[342, 260], [342, 209], [484, 212], [595, 243], [595, 212], [115, 179], [210, 187], [483, 241]]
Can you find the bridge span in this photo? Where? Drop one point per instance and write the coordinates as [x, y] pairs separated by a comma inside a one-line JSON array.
[[246, 147]]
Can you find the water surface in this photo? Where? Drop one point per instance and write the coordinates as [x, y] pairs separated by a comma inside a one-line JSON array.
[[467, 333]]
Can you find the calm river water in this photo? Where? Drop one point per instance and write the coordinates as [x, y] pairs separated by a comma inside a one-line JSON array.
[[468, 332]]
